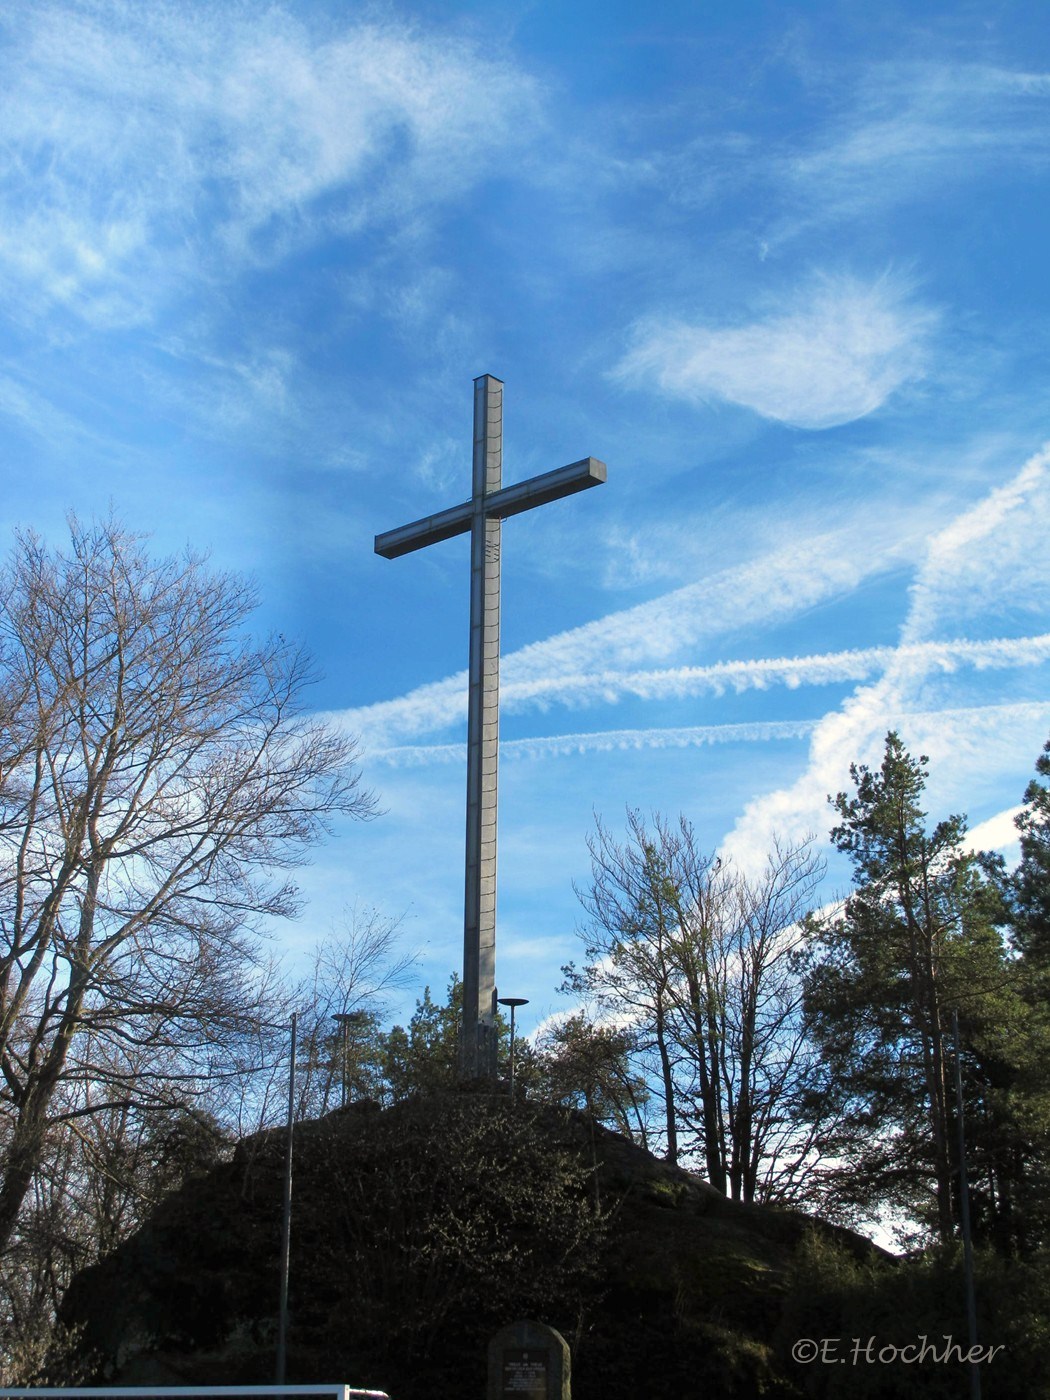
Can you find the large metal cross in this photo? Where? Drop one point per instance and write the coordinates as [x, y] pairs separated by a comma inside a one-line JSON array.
[[490, 503]]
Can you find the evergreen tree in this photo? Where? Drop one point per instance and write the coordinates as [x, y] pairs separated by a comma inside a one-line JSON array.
[[583, 1065], [921, 935], [1032, 880], [424, 1058], [1030, 891]]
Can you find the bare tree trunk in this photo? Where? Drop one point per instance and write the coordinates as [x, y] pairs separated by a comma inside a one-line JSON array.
[[924, 984], [26, 1146], [667, 1076], [708, 1074]]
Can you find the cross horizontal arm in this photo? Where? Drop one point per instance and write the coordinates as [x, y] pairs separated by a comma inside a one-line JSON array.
[[551, 486], [511, 500], [430, 530]]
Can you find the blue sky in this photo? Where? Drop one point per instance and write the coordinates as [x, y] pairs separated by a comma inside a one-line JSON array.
[[782, 267]]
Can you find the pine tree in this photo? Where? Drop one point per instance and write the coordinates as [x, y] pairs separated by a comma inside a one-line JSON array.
[[921, 935], [1032, 880]]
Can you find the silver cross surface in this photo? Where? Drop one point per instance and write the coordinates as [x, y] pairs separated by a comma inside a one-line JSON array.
[[490, 503]]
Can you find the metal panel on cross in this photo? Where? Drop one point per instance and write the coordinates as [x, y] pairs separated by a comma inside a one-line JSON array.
[[489, 505]]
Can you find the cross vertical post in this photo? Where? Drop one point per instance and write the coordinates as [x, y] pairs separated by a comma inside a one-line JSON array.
[[478, 1041], [490, 504]]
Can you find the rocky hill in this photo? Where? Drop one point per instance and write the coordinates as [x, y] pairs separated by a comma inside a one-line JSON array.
[[419, 1231]]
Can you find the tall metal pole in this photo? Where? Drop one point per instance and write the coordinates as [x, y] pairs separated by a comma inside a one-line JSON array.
[[964, 1213], [342, 1093], [286, 1226]]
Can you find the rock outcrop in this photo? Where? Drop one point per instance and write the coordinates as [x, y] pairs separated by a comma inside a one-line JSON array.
[[420, 1230]]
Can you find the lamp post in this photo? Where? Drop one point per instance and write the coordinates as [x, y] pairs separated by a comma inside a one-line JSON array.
[[513, 1003], [346, 1019], [286, 1223]]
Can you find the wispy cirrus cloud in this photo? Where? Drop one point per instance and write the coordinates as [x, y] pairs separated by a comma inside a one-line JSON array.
[[602, 741], [968, 564], [35, 413], [949, 728], [833, 351], [790, 672], [911, 117], [147, 145], [972, 741], [769, 588], [990, 560], [603, 662], [907, 127], [971, 564]]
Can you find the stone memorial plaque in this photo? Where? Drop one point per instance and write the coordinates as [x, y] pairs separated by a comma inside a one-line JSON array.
[[528, 1361]]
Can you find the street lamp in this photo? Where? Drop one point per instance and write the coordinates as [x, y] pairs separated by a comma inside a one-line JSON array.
[[286, 1223], [513, 1003], [346, 1019]]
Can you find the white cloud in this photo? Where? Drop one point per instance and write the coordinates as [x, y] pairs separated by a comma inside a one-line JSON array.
[[770, 588], [969, 743], [989, 560], [835, 351], [968, 565], [598, 662], [147, 144], [909, 128], [998, 833], [829, 668], [35, 413], [602, 741], [911, 116]]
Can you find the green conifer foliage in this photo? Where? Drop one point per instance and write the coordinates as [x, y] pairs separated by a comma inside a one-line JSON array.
[[921, 935]]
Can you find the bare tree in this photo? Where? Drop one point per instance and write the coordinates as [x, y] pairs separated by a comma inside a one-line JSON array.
[[158, 780], [701, 962], [765, 1052], [355, 968], [633, 902]]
